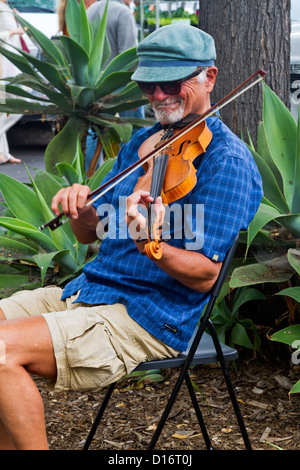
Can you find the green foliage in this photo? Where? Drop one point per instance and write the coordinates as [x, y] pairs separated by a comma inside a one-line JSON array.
[[230, 328], [274, 232], [74, 81], [23, 245], [291, 337], [277, 222]]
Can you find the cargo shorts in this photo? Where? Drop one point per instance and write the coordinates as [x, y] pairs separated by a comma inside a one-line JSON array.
[[93, 345]]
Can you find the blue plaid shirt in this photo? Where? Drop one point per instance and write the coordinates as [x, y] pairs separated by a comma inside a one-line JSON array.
[[223, 202]]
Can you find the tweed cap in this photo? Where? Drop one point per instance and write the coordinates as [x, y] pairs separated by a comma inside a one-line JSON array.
[[173, 52]]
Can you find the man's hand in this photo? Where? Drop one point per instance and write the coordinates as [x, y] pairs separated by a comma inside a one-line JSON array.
[[136, 222], [83, 220], [72, 199]]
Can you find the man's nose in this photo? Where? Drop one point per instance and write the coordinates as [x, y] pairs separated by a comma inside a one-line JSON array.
[[158, 94]]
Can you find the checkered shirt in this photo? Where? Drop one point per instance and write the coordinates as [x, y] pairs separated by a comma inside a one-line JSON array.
[[223, 202]]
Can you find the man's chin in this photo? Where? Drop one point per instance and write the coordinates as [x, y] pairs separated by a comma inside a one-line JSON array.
[[167, 116]]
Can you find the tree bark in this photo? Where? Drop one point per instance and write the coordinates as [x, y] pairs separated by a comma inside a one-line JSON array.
[[249, 35]]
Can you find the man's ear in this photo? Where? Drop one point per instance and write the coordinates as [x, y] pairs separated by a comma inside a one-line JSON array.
[[211, 75]]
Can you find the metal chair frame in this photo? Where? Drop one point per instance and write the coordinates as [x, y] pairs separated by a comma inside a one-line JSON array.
[[203, 348]]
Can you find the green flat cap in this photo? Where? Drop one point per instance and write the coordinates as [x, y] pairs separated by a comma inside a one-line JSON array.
[[173, 52]]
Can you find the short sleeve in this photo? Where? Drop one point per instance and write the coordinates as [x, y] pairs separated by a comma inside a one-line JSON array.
[[223, 203]]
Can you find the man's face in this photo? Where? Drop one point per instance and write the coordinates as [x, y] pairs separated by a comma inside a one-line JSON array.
[[193, 98]]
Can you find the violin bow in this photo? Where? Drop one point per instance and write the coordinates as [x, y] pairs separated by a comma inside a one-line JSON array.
[[97, 193]]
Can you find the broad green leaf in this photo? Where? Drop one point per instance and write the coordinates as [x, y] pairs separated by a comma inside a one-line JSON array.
[[14, 248], [86, 97], [280, 128], [112, 82], [125, 106], [130, 92], [53, 97], [49, 185], [123, 130], [17, 106], [43, 261], [49, 48], [294, 259], [291, 222], [258, 273], [85, 29], [19, 61], [67, 262], [124, 61], [99, 53], [240, 337], [18, 91], [59, 238], [49, 71], [270, 186], [21, 200], [293, 292], [110, 141], [12, 281], [264, 215], [245, 295], [67, 170], [264, 151], [73, 18], [296, 387], [79, 60], [288, 335], [62, 147], [95, 181], [28, 231]]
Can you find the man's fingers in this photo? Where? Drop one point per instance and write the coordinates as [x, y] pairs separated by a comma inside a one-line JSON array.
[[71, 200]]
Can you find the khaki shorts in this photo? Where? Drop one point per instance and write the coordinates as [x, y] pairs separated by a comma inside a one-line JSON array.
[[93, 345]]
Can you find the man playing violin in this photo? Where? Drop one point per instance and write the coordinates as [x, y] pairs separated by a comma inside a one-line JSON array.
[[126, 308]]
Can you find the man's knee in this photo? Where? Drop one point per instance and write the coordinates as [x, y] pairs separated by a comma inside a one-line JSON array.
[[27, 342]]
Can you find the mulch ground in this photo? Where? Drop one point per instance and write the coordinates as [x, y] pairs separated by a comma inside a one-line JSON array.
[[271, 414]]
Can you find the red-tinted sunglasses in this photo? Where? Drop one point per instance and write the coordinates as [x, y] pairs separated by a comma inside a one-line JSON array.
[[169, 88]]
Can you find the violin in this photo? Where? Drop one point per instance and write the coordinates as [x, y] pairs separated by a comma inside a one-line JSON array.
[[171, 173]]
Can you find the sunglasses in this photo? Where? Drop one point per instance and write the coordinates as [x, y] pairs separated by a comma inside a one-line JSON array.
[[169, 88]]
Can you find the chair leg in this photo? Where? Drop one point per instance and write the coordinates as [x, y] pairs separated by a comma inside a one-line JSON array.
[[99, 416], [167, 409], [198, 412], [229, 386]]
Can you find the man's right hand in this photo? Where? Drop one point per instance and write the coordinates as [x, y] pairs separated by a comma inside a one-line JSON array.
[[72, 199]]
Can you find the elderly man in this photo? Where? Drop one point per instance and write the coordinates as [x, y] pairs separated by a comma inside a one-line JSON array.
[[126, 308]]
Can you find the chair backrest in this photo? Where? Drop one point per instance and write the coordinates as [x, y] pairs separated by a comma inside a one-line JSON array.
[[215, 291]]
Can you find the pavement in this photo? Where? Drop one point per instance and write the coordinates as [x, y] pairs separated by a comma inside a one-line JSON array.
[[32, 157]]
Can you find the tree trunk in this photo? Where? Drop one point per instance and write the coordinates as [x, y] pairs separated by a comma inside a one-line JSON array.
[[249, 35]]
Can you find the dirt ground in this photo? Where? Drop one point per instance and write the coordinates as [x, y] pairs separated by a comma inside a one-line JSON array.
[[271, 415]]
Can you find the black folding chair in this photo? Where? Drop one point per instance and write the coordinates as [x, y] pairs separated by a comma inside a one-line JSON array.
[[203, 349]]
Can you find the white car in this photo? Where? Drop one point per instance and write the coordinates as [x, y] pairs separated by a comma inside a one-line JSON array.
[[40, 14]]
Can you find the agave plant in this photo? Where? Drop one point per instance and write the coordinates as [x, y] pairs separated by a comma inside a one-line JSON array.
[[73, 81], [28, 256], [277, 222]]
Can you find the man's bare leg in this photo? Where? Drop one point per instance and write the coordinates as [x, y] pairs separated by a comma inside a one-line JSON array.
[[28, 348]]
